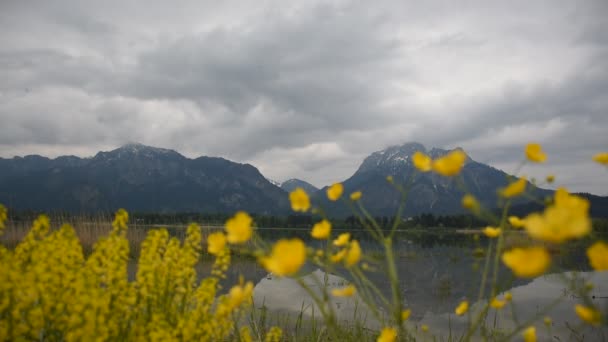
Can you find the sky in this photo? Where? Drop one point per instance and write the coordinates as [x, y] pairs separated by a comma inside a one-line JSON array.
[[308, 89]]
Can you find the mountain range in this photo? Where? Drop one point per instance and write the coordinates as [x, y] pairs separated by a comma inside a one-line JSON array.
[[149, 179]]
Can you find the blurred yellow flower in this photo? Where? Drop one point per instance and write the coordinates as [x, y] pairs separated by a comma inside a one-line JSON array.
[[588, 314], [239, 228], [508, 296], [527, 262], [321, 230], [405, 314], [550, 179], [547, 320], [387, 335], [241, 293], [422, 162], [514, 189], [529, 334], [390, 179], [216, 243], [462, 308], [335, 191], [491, 232], [516, 222], [601, 158], [598, 256], [299, 200], [425, 328], [568, 218], [353, 255], [355, 196], [342, 239], [534, 152], [286, 258], [497, 303], [346, 291], [338, 256], [470, 202], [450, 164]]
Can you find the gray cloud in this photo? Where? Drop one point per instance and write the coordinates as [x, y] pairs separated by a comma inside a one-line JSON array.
[[309, 89]]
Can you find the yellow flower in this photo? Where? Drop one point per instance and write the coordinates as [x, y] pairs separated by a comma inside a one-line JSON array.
[[335, 191], [516, 222], [497, 303], [299, 200], [450, 164], [547, 320], [529, 334], [601, 158], [387, 335], [216, 243], [353, 255], [508, 296], [462, 308], [239, 228], [598, 256], [527, 262], [422, 162], [342, 239], [347, 291], [286, 258], [514, 189], [568, 218], [534, 152], [390, 179], [355, 196], [550, 179], [425, 328], [405, 314], [587, 314], [470, 202], [338, 256], [321, 230], [240, 294], [491, 232]]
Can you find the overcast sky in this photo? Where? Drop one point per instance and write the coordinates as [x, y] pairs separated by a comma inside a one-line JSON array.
[[308, 89]]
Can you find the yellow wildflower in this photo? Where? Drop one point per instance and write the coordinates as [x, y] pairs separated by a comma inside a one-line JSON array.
[[547, 320], [535, 153], [425, 328], [335, 191], [508, 296], [342, 239], [299, 200], [405, 314], [527, 262], [390, 179], [387, 335], [588, 314], [353, 255], [529, 334], [347, 291], [491, 232], [422, 162], [321, 230], [514, 189], [239, 228], [450, 164], [338, 256], [516, 222], [216, 243], [601, 158], [497, 303], [470, 202], [240, 294], [568, 218], [550, 179], [286, 258], [355, 196], [598, 256], [462, 308], [274, 335]]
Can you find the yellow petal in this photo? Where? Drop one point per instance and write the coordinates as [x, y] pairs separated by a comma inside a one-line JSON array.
[[216, 243], [335, 191], [529, 334], [601, 158], [491, 232], [527, 262], [588, 314], [462, 308], [239, 228], [321, 230], [347, 291], [342, 239], [514, 189], [450, 164], [355, 196], [422, 162], [598, 256], [286, 258], [299, 200], [534, 152], [387, 335]]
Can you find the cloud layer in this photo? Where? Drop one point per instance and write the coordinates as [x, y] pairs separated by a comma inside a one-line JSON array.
[[308, 90]]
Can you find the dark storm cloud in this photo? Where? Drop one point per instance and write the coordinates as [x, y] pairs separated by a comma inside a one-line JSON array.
[[308, 89]]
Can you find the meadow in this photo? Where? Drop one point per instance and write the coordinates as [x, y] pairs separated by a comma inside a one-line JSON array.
[[534, 278]]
